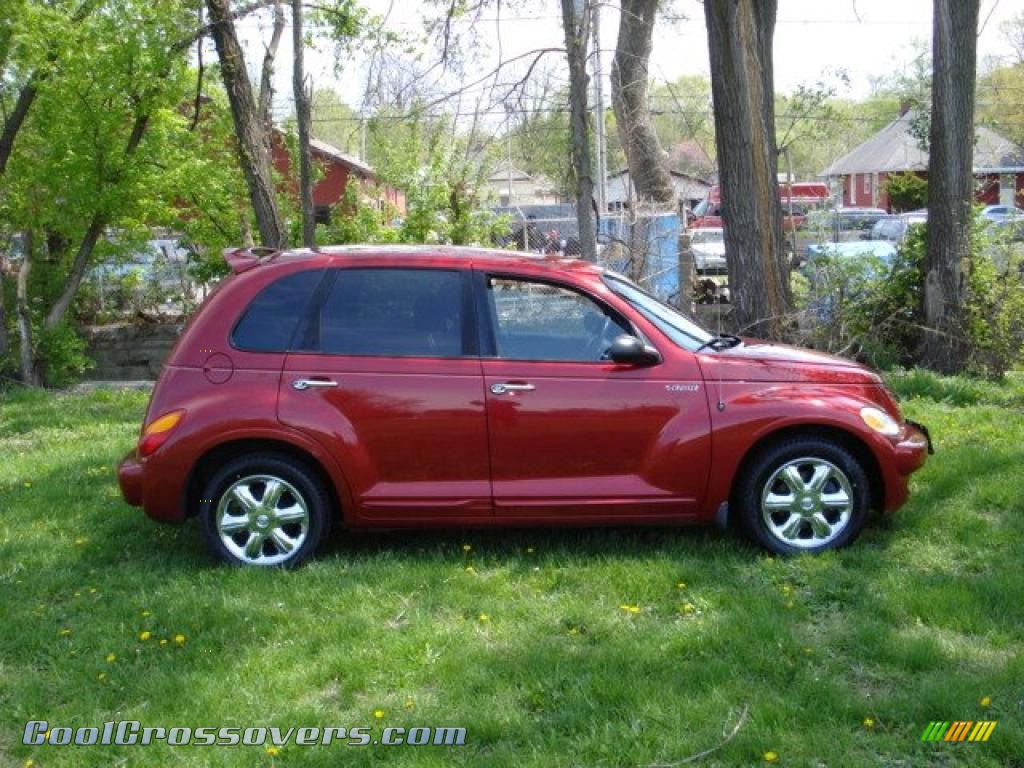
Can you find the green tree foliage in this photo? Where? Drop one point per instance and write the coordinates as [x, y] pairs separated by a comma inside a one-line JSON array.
[[906, 191]]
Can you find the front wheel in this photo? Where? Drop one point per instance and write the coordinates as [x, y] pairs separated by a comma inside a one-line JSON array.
[[264, 510], [803, 495]]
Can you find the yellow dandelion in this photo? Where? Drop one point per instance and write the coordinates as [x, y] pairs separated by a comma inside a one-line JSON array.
[[484, 617], [146, 614], [869, 722], [687, 608], [467, 548], [378, 713], [29, 763], [273, 751], [470, 569], [681, 585], [985, 701], [78, 594], [409, 703], [64, 632], [92, 590], [808, 650], [46, 735], [28, 484], [145, 635], [101, 676], [179, 639], [786, 589], [111, 658], [81, 540], [573, 631], [630, 608], [163, 641], [770, 757]]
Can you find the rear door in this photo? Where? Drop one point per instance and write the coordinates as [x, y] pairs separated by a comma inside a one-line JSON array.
[[388, 377], [573, 435]]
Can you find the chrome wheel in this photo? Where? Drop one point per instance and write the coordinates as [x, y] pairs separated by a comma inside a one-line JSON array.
[[807, 503], [262, 520]]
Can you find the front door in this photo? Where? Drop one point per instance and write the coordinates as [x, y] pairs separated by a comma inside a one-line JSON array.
[[391, 384], [573, 435]]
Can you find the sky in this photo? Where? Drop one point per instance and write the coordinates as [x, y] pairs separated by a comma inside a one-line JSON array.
[[866, 38]]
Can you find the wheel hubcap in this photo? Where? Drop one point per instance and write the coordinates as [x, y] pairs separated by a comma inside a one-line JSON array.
[[262, 519], [807, 502]]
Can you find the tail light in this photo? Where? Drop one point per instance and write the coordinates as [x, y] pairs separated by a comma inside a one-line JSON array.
[[156, 434]]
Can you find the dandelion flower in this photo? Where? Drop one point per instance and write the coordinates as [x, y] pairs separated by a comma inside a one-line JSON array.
[[466, 548], [273, 751], [179, 639], [687, 608], [484, 617], [409, 703], [145, 635], [770, 757], [111, 658], [530, 550], [146, 614], [681, 585], [81, 540], [985, 701], [630, 608], [28, 484], [378, 713], [101, 676], [92, 590], [470, 569], [64, 632], [786, 589], [29, 763], [573, 631], [163, 641], [869, 722]]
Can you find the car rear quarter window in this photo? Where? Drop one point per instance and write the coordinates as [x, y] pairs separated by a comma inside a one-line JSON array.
[[394, 312], [269, 322]]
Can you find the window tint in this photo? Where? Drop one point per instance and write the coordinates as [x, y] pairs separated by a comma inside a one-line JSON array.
[[270, 319], [403, 312], [539, 321]]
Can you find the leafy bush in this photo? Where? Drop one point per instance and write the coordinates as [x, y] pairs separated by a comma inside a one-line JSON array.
[[906, 191], [853, 306]]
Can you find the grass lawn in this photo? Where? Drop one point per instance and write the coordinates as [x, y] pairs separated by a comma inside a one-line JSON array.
[[552, 648]]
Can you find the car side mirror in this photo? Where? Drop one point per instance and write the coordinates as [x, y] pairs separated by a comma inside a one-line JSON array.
[[629, 350]]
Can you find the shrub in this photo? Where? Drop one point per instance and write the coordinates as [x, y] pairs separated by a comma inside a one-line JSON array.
[[906, 191]]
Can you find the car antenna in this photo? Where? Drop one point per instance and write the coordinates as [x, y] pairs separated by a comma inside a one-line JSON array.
[[720, 405]]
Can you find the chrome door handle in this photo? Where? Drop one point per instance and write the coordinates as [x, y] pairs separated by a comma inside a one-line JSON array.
[[501, 389], [303, 384]]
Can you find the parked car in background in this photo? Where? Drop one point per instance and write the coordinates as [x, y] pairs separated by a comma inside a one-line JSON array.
[[894, 228], [153, 276], [844, 219], [1002, 213], [410, 387], [708, 248]]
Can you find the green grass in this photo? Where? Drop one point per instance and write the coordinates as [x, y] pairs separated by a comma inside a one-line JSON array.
[[917, 622]]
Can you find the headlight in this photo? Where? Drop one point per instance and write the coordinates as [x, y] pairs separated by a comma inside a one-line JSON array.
[[880, 421]]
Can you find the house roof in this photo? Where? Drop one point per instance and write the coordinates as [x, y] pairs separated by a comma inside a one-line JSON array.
[[895, 149], [501, 173], [331, 152]]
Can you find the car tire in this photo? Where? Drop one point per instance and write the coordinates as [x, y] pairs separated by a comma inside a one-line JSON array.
[[265, 509], [802, 495]]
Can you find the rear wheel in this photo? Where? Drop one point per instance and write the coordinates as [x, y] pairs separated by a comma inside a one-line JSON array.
[[264, 510], [803, 495]]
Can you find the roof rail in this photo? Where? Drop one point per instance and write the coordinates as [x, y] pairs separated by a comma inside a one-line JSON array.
[[243, 259]]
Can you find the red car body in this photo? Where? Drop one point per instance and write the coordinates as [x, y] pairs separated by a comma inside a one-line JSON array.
[[419, 441]]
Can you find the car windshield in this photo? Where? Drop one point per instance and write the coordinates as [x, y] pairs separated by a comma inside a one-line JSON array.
[[703, 236], [669, 320]]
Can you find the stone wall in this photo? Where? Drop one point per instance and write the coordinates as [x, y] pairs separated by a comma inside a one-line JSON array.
[[129, 351]]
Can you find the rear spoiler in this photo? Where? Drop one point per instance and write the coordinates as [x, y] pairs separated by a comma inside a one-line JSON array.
[[243, 259]]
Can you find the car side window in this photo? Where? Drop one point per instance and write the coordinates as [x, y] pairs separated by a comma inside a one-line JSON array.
[[268, 323], [541, 321], [394, 312]]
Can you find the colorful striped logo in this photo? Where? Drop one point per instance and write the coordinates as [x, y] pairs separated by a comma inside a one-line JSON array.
[[959, 730]]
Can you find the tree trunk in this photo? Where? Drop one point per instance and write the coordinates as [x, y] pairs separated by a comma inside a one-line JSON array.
[[648, 164], [250, 132], [579, 133], [950, 183], [26, 350], [304, 118], [740, 34]]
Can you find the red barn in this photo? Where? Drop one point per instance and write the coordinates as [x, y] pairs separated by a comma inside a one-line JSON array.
[[337, 169], [998, 166]]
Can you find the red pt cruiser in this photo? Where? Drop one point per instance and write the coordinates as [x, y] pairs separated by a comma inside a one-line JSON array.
[[390, 387]]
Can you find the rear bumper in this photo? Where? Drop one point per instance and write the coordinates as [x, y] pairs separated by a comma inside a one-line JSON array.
[[129, 477]]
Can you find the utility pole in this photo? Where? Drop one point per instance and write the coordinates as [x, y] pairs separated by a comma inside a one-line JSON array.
[[602, 156], [508, 134]]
